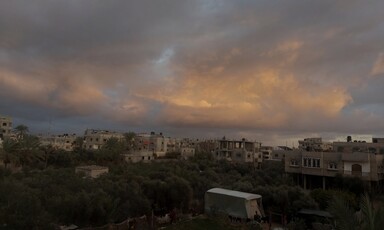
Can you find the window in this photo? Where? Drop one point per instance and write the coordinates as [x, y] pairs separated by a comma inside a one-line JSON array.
[[332, 165], [294, 163], [311, 162], [249, 155], [4, 124]]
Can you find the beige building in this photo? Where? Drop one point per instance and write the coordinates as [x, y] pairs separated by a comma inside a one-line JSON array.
[[5, 127], [65, 141], [92, 171], [96, 139], [239, 151]]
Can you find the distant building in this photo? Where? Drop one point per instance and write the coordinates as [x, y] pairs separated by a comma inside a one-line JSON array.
[[155, 143], [266, 152], [376, 146], [96, 139], [92, 171], [315, 145], [5, 127], [64, 142], [233, 203], [139, 156], [239, 151], [185, 147]]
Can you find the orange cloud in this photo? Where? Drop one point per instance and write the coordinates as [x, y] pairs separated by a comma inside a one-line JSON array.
[[264, 99]]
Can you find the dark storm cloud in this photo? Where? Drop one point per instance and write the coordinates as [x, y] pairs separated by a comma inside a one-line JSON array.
[[274, 66]]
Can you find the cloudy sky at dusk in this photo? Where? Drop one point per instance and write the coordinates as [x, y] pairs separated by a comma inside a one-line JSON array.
[[271, 71]]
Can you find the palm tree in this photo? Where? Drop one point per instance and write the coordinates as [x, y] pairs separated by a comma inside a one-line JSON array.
[[367, 218], [21, 131], [28, 150]]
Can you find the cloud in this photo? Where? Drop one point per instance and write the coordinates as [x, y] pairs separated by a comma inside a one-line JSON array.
[[229, 65], [378, 67]]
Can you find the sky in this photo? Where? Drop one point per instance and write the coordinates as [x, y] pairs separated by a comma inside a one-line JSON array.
[[270, 71]]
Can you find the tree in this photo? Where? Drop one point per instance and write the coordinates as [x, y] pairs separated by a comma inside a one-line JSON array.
[[8, 151], [368, 218], [130, 140], [28, 150], [48, 151], [21, 131]]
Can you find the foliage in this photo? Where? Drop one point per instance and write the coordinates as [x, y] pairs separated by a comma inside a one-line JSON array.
[[367, 218]]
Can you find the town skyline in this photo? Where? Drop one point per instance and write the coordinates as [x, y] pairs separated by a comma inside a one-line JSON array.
[[271, 72]]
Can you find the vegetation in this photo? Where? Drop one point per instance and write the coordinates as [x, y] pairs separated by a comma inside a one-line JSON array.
[[47, 192]]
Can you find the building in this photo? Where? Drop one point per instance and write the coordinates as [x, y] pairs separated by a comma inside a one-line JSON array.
[[96, 139], [239, 151], [5, 127], [139, 156], [266, 152], [376, 146], [64, 142], [155, 143], [315, 144], [187, 152], [92, 171], [233, 203], [353, 159]]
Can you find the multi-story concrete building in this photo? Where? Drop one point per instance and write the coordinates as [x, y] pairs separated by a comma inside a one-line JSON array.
[[240, 151], [266, 152], [65, 141], [317, 169], [315, 144], [96, 139], [5, 127], [155, 143]]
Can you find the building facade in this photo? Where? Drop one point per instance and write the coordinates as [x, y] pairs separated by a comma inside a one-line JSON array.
[[315, 144], [64, 142], [155, 143], [96, 139], [316, 169], [5, 127], [238, 151]]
